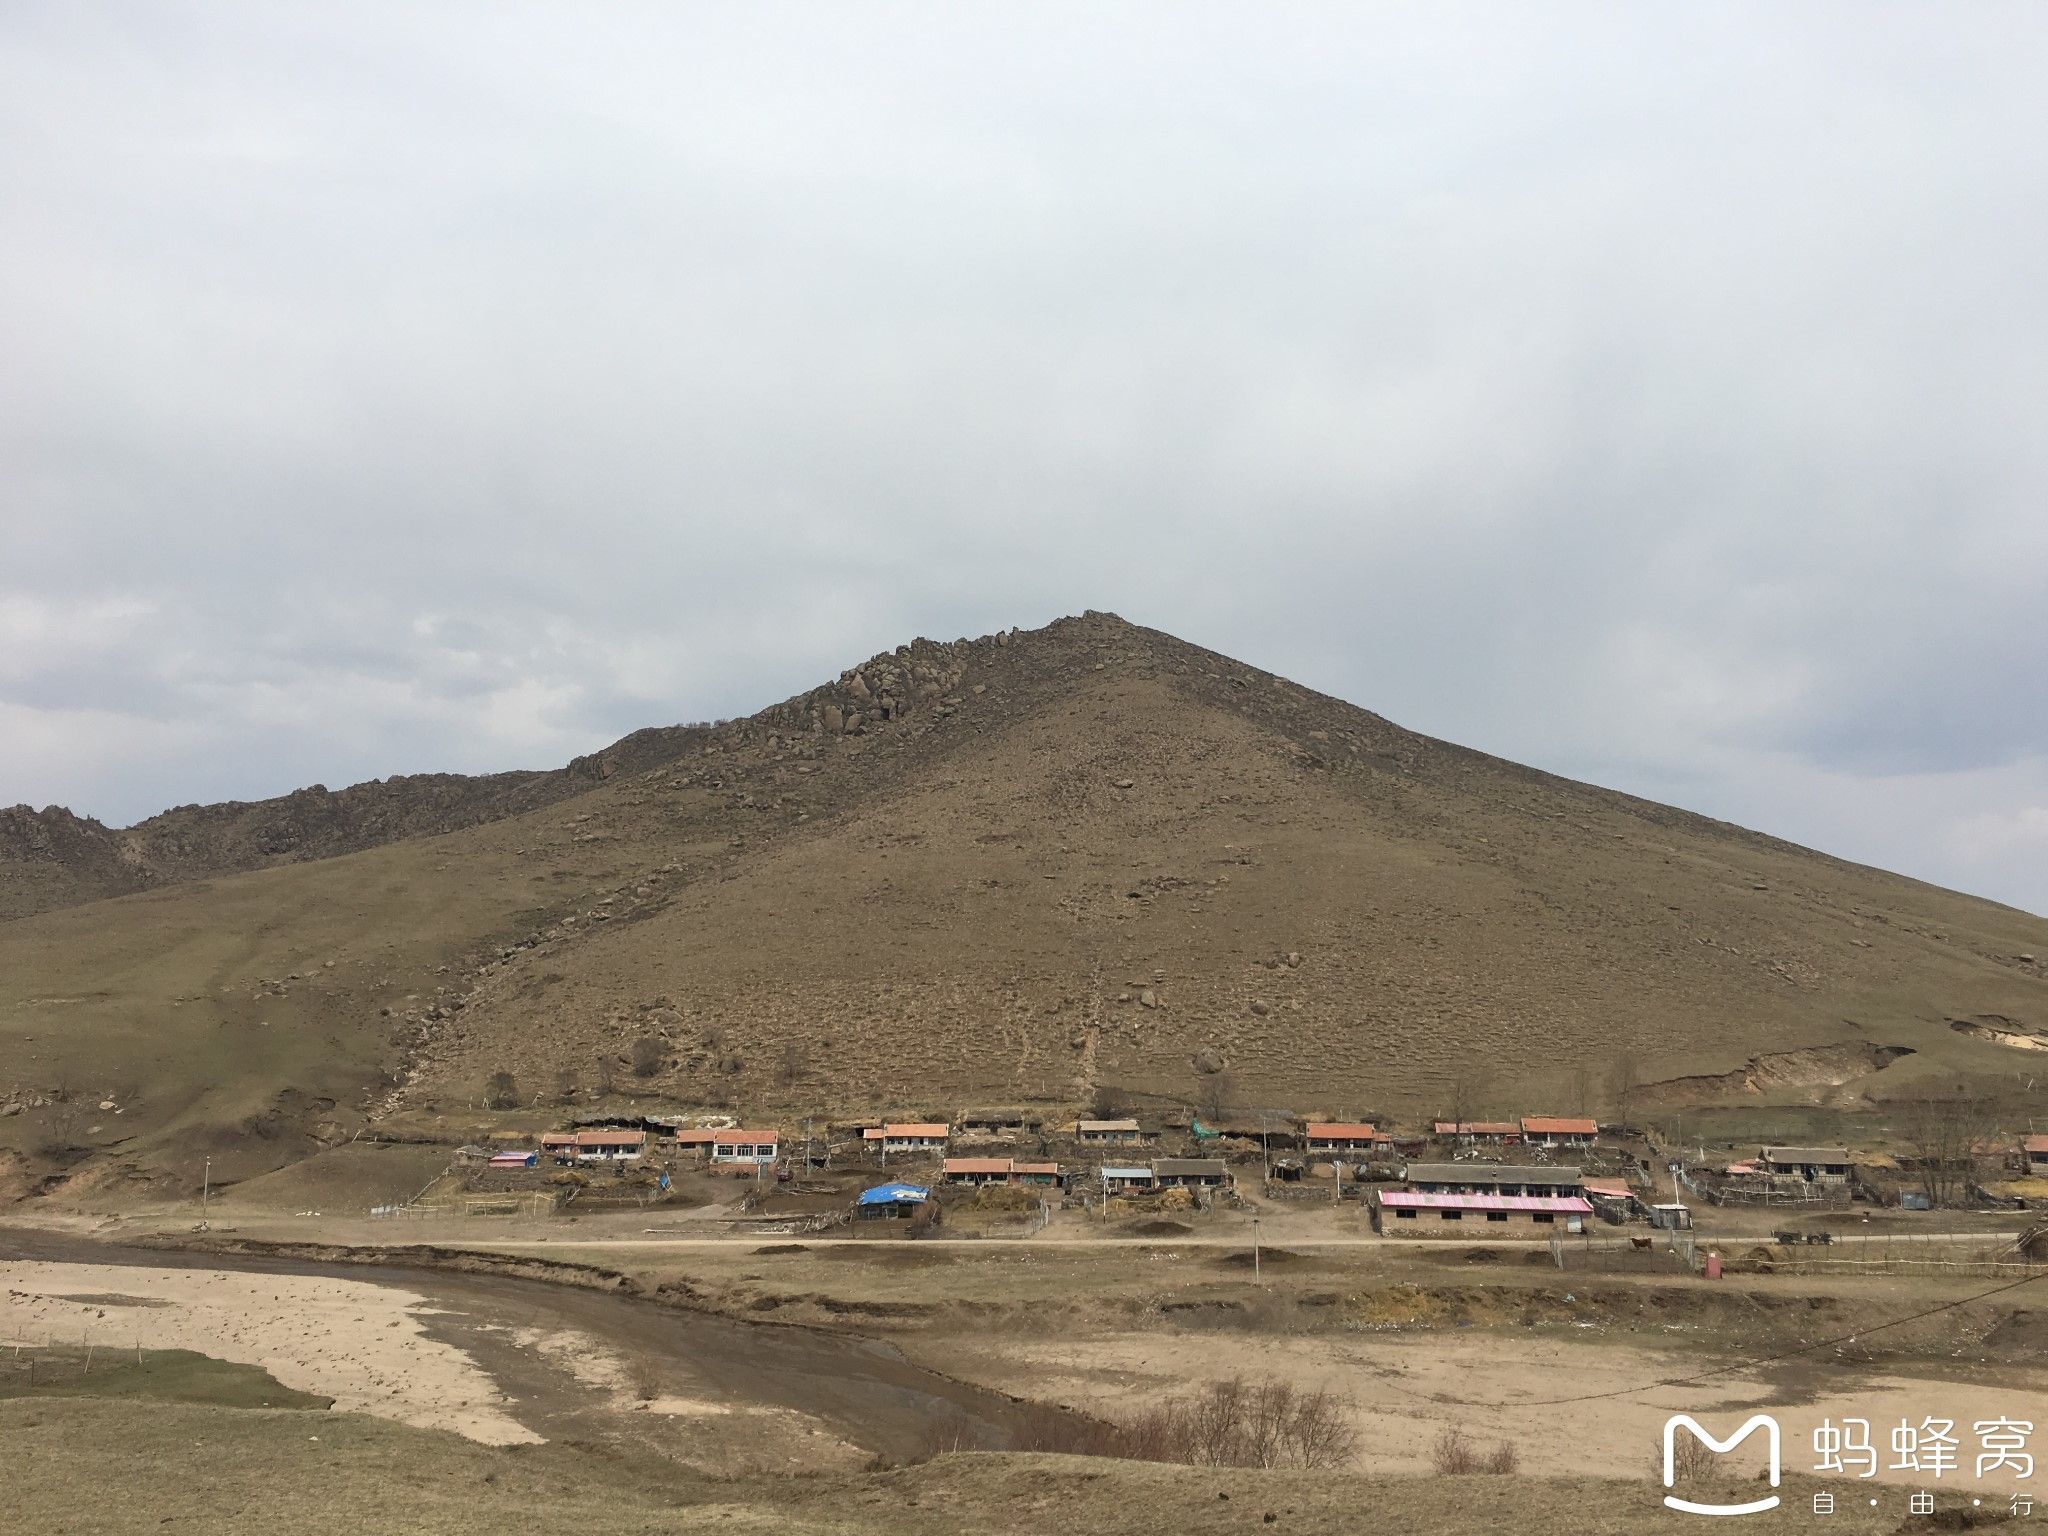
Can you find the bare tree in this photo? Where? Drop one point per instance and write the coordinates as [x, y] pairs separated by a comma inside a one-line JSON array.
[[1469, 1091], [1107, 1103], [1623, 1083], [565, 1085], [501, 1091], [1946, 1131], [62, 1129], [649, 1053], [793, 1062], [1215, 1096], [1582, 1090]]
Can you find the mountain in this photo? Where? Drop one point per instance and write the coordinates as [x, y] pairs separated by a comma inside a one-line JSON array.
[[52, 858], [1027, 867]]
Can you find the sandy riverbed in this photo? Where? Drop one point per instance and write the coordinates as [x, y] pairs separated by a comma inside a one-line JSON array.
[[363, 1345], [1403, 1392]]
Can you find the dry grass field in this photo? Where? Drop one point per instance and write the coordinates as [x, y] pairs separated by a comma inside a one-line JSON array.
[[100, 1467]]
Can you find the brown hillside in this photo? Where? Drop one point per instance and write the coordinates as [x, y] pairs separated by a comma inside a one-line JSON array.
[[53, 858], [1019, 867]]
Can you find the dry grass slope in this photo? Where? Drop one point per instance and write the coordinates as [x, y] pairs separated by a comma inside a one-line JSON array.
[[1010, 868]]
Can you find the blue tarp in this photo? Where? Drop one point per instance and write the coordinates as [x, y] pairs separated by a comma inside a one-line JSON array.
[[894, 1194]]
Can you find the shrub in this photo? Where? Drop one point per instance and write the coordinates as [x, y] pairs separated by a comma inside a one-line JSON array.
[[501, 1091], [1691, 1461], [1231, 1423], [643, 1378], [648, 1055], [1455, 1455]]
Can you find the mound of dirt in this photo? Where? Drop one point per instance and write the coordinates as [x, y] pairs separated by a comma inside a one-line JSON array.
[[783, 1248], [2022, 1336], [1279, 1258], [1157, 1227]]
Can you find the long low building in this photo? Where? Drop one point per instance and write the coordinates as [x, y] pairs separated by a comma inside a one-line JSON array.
[[1494, 1179], [1190, 1172], [906, 1136], [1338, 1136], [1418, 1213], [1809, 1165], [997, 1170], [744, 1146]]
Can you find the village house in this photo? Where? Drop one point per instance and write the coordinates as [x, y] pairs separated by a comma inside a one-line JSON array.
[[2035, 1150], [1333, 1137], [1128, 1181], [690, 1139], [1553, 1131], [560, 1146], [1494, 1179], [745, 1146], [514, 1157], [610, 1146], [975, 1171], [1418, 1213], [1190, 1173], [904, 1136], [891, 1202], [1612, 1199], [1808, 1165], [994, 1122], [1477, 1133], [1108, 1133]]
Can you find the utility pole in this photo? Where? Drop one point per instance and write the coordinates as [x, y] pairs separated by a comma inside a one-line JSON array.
[[1255, 1248], [205, 1188]]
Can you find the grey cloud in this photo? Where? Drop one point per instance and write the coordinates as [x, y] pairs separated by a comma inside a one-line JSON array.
[[1647, 395]]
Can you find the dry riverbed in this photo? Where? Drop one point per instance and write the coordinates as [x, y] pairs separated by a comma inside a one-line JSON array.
[[365, 1346]]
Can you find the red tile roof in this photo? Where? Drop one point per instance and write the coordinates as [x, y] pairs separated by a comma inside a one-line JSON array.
[[611, 1138], [1475, 1128], [2035, 1144], [1551, 1125], [910, 1129], [744, 1138], [1342, 1130]]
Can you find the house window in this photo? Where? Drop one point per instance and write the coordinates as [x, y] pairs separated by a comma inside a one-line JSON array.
[[1452, 1215], [1496, 1215], [1545, 1217], [1404, 1215]]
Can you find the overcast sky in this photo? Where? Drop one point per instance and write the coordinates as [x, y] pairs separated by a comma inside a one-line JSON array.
[[1655, 394]]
